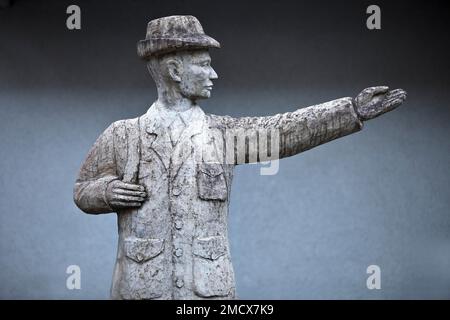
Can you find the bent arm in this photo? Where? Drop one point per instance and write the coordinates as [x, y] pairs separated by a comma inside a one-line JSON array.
[[97, 171], [296, 131]]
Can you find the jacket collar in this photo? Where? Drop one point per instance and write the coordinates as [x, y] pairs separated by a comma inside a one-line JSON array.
[[157, 118], [156, 123]]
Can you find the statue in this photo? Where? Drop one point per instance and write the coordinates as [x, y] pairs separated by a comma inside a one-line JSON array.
[[172, 202]]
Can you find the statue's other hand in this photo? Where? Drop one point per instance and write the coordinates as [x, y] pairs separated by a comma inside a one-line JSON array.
[[374, 101], [121, 195]]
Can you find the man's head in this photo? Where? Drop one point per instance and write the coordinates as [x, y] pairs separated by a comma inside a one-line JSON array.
[[188, 73], [176, 50]]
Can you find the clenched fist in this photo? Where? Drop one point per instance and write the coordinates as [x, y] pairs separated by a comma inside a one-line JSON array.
[[121, 195]]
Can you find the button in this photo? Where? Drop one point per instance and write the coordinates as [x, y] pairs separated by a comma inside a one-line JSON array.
[[139, 257], [176, 191], [179, 283], [178, 224], [178, 252]]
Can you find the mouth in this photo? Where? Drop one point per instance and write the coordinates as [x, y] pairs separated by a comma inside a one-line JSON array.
[[209, 88]]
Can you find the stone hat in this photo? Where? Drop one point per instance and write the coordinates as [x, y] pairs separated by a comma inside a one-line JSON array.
[[174, 33]]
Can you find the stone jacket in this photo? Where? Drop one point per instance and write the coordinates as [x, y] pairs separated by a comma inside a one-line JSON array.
[[175, 246]]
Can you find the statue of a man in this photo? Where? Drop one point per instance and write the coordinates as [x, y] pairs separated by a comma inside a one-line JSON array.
[[171, 202]]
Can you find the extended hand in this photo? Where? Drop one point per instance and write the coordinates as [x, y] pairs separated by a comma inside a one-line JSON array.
[[374, 101], [121, 195]]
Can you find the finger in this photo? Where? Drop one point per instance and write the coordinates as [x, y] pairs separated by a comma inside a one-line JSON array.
[[396, 102], [392, 104], [398, 96], [397, 90], [130, 186], [120, 204], [371, 91], [127, 198], [396, 93], [134, 204], [379, 90], [367, 94], [127, 192]]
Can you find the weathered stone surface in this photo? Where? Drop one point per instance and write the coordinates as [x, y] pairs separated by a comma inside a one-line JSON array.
[[168, 34], [168, 173]]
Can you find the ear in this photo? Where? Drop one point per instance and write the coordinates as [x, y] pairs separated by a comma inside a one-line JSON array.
[[174, 69]]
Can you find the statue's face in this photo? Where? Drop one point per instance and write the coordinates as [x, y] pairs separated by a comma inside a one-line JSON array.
[[196, 75]]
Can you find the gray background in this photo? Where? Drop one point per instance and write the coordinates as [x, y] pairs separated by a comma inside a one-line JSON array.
[[380, 196]]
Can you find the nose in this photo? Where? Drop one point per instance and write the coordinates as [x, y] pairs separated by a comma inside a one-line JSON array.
[[212, 74]]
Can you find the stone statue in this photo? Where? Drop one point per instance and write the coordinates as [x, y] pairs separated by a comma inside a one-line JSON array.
[[171, 201]]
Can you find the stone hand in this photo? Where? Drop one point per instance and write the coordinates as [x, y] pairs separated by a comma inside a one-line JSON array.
[[374, 101], [121, 195]]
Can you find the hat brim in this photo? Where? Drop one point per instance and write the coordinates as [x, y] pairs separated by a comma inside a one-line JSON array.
[[156, 46]]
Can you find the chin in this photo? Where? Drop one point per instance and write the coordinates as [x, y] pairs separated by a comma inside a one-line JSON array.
[[207, 94], [203, 95]]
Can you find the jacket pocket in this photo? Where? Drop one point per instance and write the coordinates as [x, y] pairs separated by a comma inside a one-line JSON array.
[[211, 182], [141, 250], [213, 272], [143, 268]]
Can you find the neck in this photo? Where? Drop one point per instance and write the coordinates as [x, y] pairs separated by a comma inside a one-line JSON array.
[[173, 100]]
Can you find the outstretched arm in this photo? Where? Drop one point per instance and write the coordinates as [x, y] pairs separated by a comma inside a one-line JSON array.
[[308, 127]]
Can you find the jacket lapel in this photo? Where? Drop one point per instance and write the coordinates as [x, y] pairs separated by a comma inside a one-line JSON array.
[[157, 135]]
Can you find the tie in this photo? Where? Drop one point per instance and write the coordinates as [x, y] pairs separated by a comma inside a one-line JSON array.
[[176, 128]]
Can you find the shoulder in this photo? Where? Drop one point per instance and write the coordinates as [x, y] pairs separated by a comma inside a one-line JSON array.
[[119, 128], [216, 121], [125, 123], [117, 133]]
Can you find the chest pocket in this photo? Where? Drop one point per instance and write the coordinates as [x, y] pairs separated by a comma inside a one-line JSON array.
[[211, 182]]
